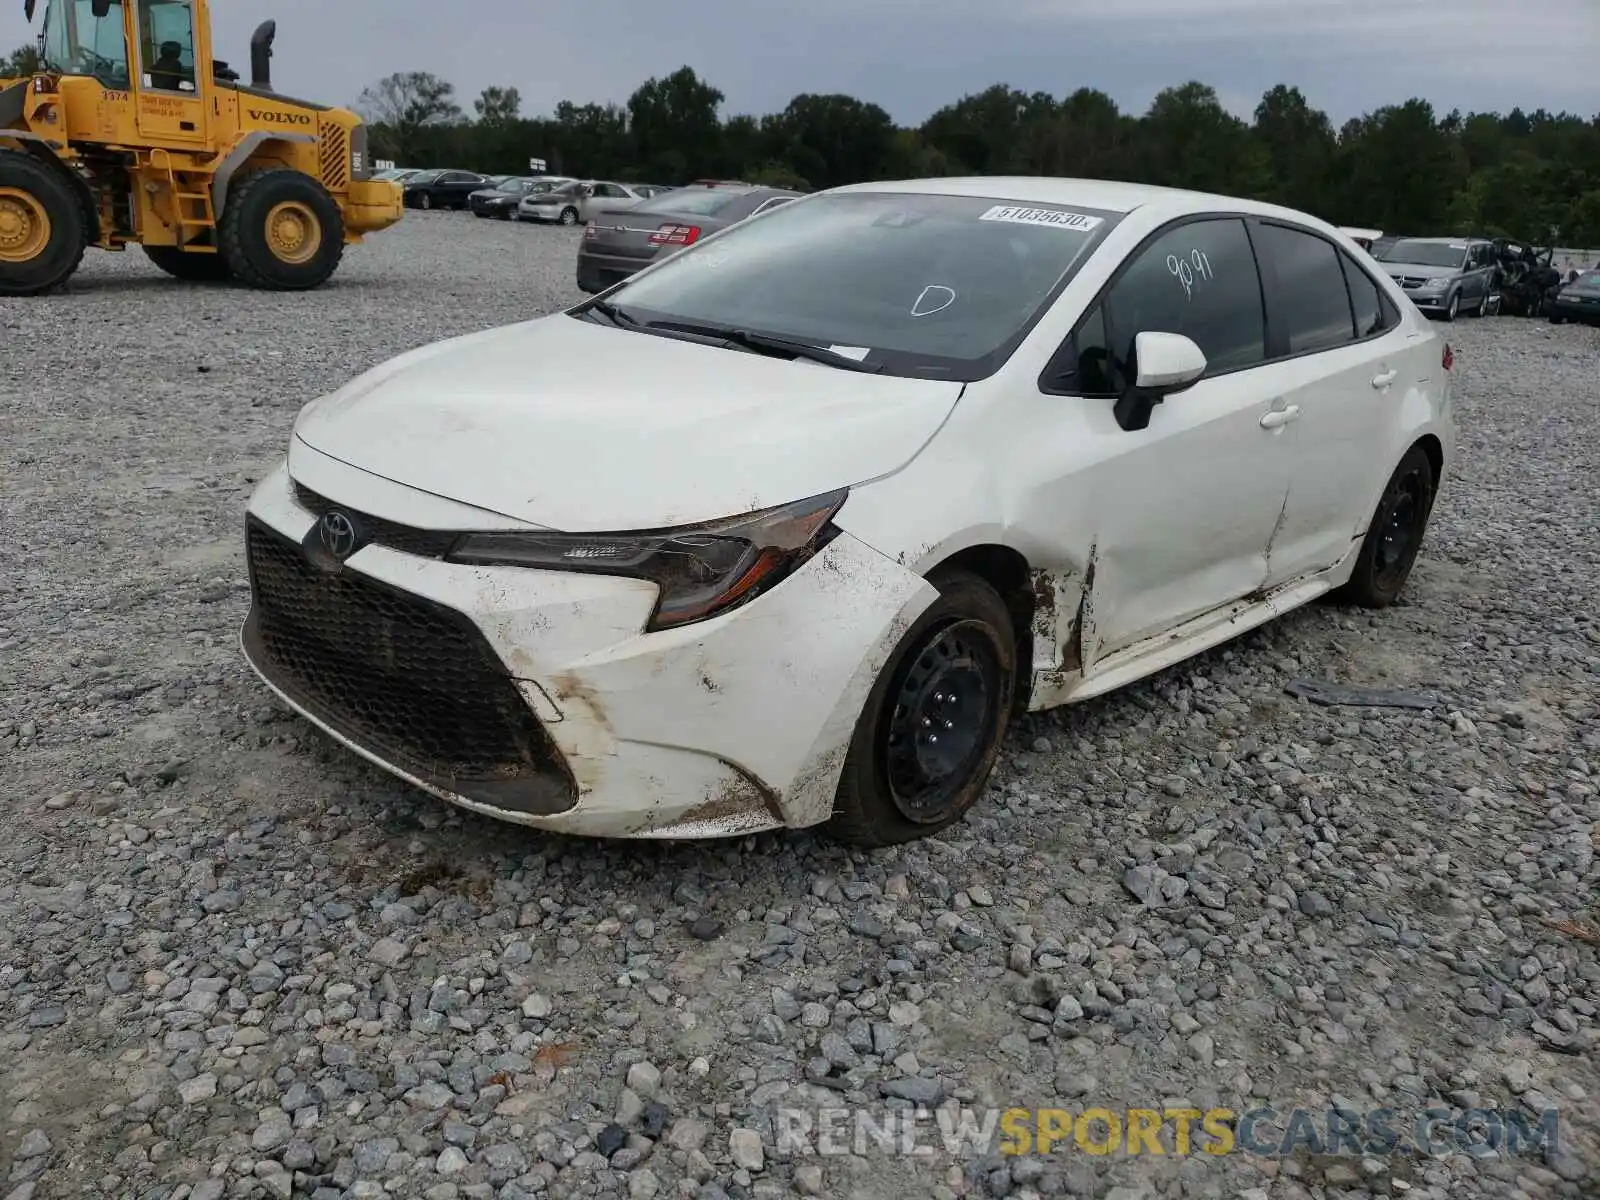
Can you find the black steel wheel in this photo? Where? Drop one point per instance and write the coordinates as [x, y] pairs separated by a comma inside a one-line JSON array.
[[1395, 535], [932, 726]]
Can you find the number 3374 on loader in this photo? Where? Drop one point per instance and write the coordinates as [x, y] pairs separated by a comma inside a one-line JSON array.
[[130, 134]]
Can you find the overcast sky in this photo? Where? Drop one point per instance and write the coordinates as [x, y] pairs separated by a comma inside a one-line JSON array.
[[912, 56]]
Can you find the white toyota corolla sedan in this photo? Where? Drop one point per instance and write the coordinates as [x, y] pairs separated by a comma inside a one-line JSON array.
[[787, 528]]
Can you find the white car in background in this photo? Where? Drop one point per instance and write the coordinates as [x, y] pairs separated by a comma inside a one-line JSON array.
[[785, 529], [576, 201]]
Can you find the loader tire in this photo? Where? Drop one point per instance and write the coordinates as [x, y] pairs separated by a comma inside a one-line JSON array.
[[43, 233], [189, 267], [282, 232]]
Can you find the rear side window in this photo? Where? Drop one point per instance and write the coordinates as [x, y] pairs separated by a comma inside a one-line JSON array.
[[1373, 312], [1311, 309]]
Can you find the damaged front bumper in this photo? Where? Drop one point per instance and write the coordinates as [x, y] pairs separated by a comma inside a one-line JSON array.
[[533, 697]]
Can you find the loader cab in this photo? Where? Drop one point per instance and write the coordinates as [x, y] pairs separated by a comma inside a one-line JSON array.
[[159, 50]]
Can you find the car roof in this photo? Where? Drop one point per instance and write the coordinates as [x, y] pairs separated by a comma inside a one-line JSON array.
[[1104, 194]]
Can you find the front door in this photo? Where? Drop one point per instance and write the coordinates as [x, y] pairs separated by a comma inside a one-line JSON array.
[[1183, 510], [169, 47]]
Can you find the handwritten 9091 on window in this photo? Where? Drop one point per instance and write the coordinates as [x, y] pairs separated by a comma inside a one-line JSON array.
[[1191, 270]]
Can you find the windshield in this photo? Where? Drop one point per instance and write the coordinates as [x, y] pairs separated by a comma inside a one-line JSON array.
[[76, 42], [926, 286], [1426, 254], [518, 185]]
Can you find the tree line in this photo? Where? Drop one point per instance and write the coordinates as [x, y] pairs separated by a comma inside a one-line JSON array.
[[1401, 168]]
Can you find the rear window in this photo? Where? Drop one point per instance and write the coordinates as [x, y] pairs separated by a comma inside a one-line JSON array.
[[928, 286], [690, 203]]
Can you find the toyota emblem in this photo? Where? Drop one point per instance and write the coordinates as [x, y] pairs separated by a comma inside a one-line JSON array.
[[338, 534]]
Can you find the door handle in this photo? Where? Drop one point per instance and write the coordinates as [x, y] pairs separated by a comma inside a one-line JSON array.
[[1279, 417], [1382, 381]]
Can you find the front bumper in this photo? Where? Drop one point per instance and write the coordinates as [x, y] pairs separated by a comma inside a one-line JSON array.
[[533, 697], [373, 204], [1434, 302], [1569, 308]]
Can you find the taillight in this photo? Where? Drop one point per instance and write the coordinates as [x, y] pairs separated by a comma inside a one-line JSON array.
[[675, 235], [591, 230], [1449, 357]]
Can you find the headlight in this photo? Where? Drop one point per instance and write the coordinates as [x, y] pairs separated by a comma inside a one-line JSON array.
[[701, 570], [1431, 285]]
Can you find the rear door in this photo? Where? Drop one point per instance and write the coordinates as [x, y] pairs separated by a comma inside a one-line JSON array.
[[1344, 362]]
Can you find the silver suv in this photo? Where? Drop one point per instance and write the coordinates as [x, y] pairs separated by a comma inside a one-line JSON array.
[[1443, 275]]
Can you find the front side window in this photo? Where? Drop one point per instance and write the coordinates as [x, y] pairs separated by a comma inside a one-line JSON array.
[[1311, 307], [927, 286], [166, 44], [1199, 280]]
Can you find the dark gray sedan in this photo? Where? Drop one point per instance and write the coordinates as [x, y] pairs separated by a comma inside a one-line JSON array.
[[618, 243], [1577, 301]]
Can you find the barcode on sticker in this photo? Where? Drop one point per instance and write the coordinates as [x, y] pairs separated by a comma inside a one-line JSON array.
[[1053, 217]]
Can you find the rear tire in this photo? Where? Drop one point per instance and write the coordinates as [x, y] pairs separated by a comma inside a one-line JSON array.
[[1395, 535], [952, 675], [43, 233], [191, 268], [282, 232]]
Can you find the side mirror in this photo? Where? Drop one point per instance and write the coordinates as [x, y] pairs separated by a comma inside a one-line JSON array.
[[100, 8], [1164, 364]]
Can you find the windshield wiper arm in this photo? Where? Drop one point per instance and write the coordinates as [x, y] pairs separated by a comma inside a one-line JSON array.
[[765, 343], [610, 311]]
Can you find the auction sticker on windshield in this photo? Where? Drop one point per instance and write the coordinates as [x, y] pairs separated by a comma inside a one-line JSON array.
[[1054, 217]]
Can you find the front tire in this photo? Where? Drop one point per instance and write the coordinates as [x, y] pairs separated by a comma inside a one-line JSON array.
[[43, 233], [569, 216], [1395, 535], [191, 268], [282, 232], [934, 721], [1453, 309]]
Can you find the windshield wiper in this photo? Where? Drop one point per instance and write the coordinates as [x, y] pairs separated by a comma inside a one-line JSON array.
[[765, 343], [611, 312]]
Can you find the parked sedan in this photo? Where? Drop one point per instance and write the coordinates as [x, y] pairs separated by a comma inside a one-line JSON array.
[[501, 200], [1444, 275], [1577, 301], [616, 243], [562, 205], [442, 189], [784, 530]]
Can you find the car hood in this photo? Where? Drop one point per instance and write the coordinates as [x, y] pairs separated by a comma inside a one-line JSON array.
[[1419, 271], [575, 426]]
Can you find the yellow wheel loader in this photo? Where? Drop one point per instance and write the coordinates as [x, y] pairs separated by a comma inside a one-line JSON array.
[[131, 134]]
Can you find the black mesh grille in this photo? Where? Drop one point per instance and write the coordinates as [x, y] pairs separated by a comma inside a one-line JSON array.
[[335, 157], [408, 679], [426, 543]]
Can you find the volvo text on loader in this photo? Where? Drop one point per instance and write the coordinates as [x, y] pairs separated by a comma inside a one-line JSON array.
[[130, 134]]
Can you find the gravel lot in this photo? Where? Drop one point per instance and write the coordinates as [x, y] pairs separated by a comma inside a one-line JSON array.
[[234, 961]]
